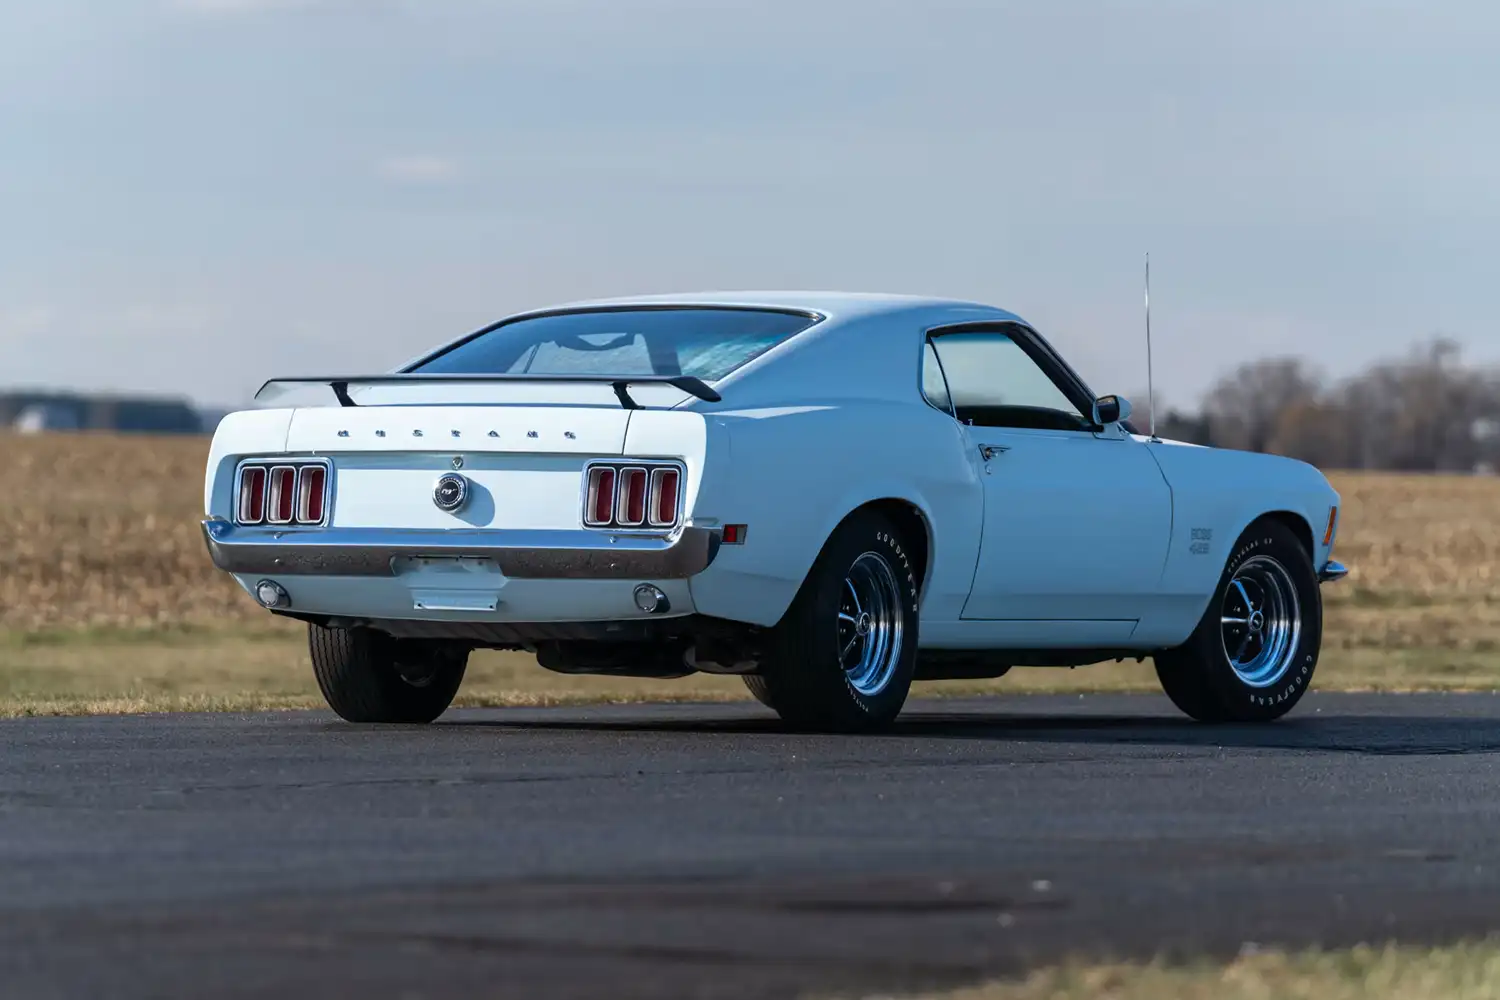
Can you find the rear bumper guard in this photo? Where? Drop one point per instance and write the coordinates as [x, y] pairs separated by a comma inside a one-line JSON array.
[[579, 555]]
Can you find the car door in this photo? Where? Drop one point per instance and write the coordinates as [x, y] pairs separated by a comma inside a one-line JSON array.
[[1077, 517]]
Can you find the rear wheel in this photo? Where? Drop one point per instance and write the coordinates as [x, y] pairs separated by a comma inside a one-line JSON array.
[[1253, 653], [367, 676], [843, 655]]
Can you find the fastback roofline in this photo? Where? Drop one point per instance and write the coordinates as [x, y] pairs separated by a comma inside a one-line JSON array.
[[340, 383]]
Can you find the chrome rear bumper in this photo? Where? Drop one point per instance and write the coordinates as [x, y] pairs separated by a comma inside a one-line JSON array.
[[1332, 571], [593, 555]]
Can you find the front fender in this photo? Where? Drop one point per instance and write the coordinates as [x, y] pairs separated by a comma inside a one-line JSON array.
[[1217, 494]]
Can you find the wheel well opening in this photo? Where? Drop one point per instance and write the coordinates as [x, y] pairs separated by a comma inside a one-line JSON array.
[[909, 521], [1299, 527]]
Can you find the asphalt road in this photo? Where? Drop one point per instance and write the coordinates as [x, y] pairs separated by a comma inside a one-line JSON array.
[[698, 851]]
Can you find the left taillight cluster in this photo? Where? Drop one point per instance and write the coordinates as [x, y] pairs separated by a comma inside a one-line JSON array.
[[627, 495], [283, 493]]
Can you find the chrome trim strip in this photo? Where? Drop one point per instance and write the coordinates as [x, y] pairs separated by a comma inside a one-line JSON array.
[[1332, 571], [572, 554]]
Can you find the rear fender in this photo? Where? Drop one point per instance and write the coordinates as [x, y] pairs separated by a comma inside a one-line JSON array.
[[246, 432], [792, 488]]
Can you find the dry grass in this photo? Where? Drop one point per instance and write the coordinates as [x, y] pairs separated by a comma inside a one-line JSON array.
[[261, 668], [108, 599], [1463, 972], [100, 530]]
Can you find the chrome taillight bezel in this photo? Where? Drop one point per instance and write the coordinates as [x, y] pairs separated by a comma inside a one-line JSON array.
[[618, 522], [269, 467]]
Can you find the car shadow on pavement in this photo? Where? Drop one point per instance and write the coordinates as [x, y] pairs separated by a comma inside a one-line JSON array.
[[1394, 735]]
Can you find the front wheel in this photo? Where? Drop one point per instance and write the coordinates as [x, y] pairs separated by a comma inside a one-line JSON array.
[[368, 676], [1253, 654], [843, 655]]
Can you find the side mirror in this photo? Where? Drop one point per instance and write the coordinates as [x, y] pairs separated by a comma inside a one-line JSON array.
[[1111, 410]]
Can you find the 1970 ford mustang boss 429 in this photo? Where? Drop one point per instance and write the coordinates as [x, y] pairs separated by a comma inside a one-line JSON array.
[[831, 495]]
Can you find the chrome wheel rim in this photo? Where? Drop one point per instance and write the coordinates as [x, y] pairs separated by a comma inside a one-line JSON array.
[[870, 624], [1261, 621]]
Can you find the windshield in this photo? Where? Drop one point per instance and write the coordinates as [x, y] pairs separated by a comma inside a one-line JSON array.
[[706, 343]]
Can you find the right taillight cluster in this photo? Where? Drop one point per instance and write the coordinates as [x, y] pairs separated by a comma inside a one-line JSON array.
[[632, 496], [283, 494]]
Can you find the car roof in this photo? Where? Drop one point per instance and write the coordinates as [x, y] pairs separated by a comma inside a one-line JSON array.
[[833, 304]]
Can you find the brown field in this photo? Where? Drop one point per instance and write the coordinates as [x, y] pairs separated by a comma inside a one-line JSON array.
[[107, 598]]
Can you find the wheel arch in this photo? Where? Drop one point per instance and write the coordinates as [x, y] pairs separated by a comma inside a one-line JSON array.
[[1298, 525], [909, 517], [1295, 522], [915, 527]]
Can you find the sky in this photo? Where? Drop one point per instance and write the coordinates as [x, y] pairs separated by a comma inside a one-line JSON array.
[[196, 195]]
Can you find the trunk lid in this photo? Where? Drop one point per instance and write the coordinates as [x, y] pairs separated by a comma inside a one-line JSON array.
[[524, 463], [577, 430]]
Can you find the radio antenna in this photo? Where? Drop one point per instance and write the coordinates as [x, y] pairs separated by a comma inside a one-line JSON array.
[[1150, 385]]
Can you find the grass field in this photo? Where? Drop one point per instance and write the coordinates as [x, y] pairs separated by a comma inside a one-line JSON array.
[[108, 600], [1461, 972]]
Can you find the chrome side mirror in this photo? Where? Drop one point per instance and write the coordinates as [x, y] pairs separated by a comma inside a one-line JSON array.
[[1111, 410]]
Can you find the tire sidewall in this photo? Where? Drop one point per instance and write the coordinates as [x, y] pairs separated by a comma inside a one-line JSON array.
[[863, 533], [1243, 701]]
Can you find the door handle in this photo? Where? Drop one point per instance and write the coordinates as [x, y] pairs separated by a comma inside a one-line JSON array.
[[989, 451]]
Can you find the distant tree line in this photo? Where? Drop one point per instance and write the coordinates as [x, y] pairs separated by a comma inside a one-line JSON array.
[[1426, 412]]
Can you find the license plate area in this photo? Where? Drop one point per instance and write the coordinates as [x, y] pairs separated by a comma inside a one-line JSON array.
[[447, 583]]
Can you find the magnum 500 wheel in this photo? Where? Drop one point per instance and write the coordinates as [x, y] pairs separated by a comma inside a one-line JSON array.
[[367, 676], [843, 655], [1253, 653]]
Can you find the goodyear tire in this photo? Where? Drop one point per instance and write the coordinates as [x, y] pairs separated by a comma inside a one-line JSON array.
[[843, 655], [367, 676], [1252, 655]]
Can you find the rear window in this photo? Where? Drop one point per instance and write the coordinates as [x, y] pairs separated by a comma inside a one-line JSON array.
[[707, 343]]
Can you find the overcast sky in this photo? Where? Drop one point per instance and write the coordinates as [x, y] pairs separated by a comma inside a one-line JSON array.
[[198, 194]]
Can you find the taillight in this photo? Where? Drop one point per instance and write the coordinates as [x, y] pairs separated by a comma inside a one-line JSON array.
[[645, 496], [312, 483], [630, 509], [283, 494], [599, 507], [281, 498], [664, 487], [252, 495]]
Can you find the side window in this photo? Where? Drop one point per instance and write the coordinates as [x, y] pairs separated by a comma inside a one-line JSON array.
[[992, 382]]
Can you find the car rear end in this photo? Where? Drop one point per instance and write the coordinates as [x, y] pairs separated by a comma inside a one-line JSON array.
[[536, 480], [461, 515]]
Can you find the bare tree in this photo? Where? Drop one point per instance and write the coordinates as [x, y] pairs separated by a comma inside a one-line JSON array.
[[1171, 423], [1420, 414], [1245, 408]]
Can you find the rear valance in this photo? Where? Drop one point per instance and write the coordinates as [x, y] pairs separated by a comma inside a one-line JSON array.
[[340, 383]]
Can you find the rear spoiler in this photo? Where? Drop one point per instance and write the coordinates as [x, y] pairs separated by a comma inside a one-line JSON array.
[[340, 383]]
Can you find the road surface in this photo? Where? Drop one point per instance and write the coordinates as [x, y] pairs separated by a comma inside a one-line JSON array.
[[698, 850]]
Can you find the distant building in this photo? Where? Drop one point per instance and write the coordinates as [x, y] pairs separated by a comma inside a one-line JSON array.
[[34, 412]]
